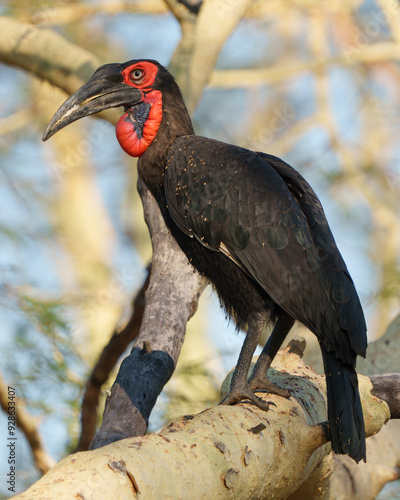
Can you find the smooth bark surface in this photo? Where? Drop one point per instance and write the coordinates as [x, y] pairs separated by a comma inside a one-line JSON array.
[[170, 300], [224, 452]]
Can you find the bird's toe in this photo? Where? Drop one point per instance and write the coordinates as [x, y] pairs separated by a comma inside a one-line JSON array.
[[245, 394], [263, 383]]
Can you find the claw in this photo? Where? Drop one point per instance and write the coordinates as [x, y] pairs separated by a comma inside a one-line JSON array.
[[263, 383], [245, 393]]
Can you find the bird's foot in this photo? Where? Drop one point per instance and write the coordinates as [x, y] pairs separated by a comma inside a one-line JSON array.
[[243, 393], [261, 382]]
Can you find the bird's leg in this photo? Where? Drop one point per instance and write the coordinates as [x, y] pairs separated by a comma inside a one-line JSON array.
[[240, 388], [259, 379]]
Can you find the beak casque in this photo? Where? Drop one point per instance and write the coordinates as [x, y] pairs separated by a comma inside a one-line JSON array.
[[105, 89]]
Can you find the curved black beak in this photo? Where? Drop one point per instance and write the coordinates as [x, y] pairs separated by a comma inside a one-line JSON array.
[[105, 89]]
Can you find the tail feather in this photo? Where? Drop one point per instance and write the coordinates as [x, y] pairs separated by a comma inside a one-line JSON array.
[[345, 415]]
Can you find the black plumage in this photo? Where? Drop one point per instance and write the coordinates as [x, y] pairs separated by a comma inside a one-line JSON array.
[[254, 226]]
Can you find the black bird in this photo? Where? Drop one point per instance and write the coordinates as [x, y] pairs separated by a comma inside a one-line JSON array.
[[251, 224]]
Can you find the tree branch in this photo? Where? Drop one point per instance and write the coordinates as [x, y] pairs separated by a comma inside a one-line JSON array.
[[235, 448], [66, 65], [215, 24], [63, 14], [338, 477], [28, 425], [108, 358], [171, 300], [351, 56], [48, 55]]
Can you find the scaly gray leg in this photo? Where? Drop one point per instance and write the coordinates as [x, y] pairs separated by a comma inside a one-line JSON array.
[[242, 389], [259, 379]]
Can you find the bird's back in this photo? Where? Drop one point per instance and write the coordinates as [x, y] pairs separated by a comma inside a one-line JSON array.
[[260, 213]]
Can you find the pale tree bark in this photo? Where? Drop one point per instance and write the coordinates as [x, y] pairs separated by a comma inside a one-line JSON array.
[[171, 300], [46, 54], [216, 22], [204, 32], [65, 13], [197, 346], [193, 385], [340, 478], [223, 452]]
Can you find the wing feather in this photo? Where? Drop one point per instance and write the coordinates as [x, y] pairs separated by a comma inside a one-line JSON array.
[[263, 215]]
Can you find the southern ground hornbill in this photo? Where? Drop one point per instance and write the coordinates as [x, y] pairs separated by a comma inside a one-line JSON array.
[[251, 224]]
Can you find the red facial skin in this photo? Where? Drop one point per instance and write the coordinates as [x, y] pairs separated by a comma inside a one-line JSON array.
[[125, 130]]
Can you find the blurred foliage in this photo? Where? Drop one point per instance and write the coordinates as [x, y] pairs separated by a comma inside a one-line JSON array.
[[48, 360]]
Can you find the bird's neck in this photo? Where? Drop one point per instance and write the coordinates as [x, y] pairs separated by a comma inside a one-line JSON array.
[[175, 123]]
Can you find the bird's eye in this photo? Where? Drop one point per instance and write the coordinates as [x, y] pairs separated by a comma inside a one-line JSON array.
[[137, 75]]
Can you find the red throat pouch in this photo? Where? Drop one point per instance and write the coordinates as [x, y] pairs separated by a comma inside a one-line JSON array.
[[137, 128]]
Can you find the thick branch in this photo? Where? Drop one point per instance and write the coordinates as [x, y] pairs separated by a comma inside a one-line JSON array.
[[339, 478], [224, 452], [215, 24], [62, 14], [48, 55], [171, 300]]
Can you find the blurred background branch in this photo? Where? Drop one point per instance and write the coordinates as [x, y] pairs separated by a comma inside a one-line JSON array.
[[29, 426]]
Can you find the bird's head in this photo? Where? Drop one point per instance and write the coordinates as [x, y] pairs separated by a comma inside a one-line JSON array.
[[137, 85]]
